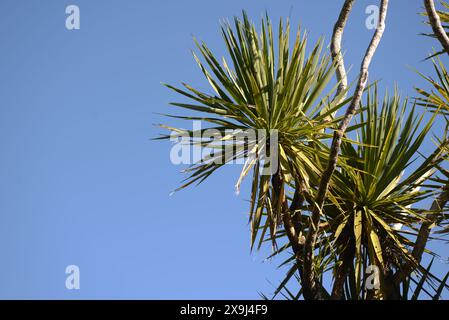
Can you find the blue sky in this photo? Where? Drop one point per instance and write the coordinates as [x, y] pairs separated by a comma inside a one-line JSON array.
[[80, 181]]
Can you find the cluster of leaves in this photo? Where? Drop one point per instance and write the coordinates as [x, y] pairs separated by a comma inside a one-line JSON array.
[[437, 100], [285, 95], [374, 207]]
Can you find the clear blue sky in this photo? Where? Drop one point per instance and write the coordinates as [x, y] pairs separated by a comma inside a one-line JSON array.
[[80, 181]]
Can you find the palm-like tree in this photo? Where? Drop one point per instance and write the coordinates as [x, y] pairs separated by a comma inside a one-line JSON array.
[[286, 95], [373, 208], [374, 202]]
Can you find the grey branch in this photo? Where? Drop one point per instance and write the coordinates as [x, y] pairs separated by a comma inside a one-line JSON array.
[[310, 285], [337, 56], [435, 22]]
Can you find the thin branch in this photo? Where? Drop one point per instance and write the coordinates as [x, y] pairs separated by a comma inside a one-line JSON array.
[[310, 288], [435, 22], [337, 56], [424, 232]]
